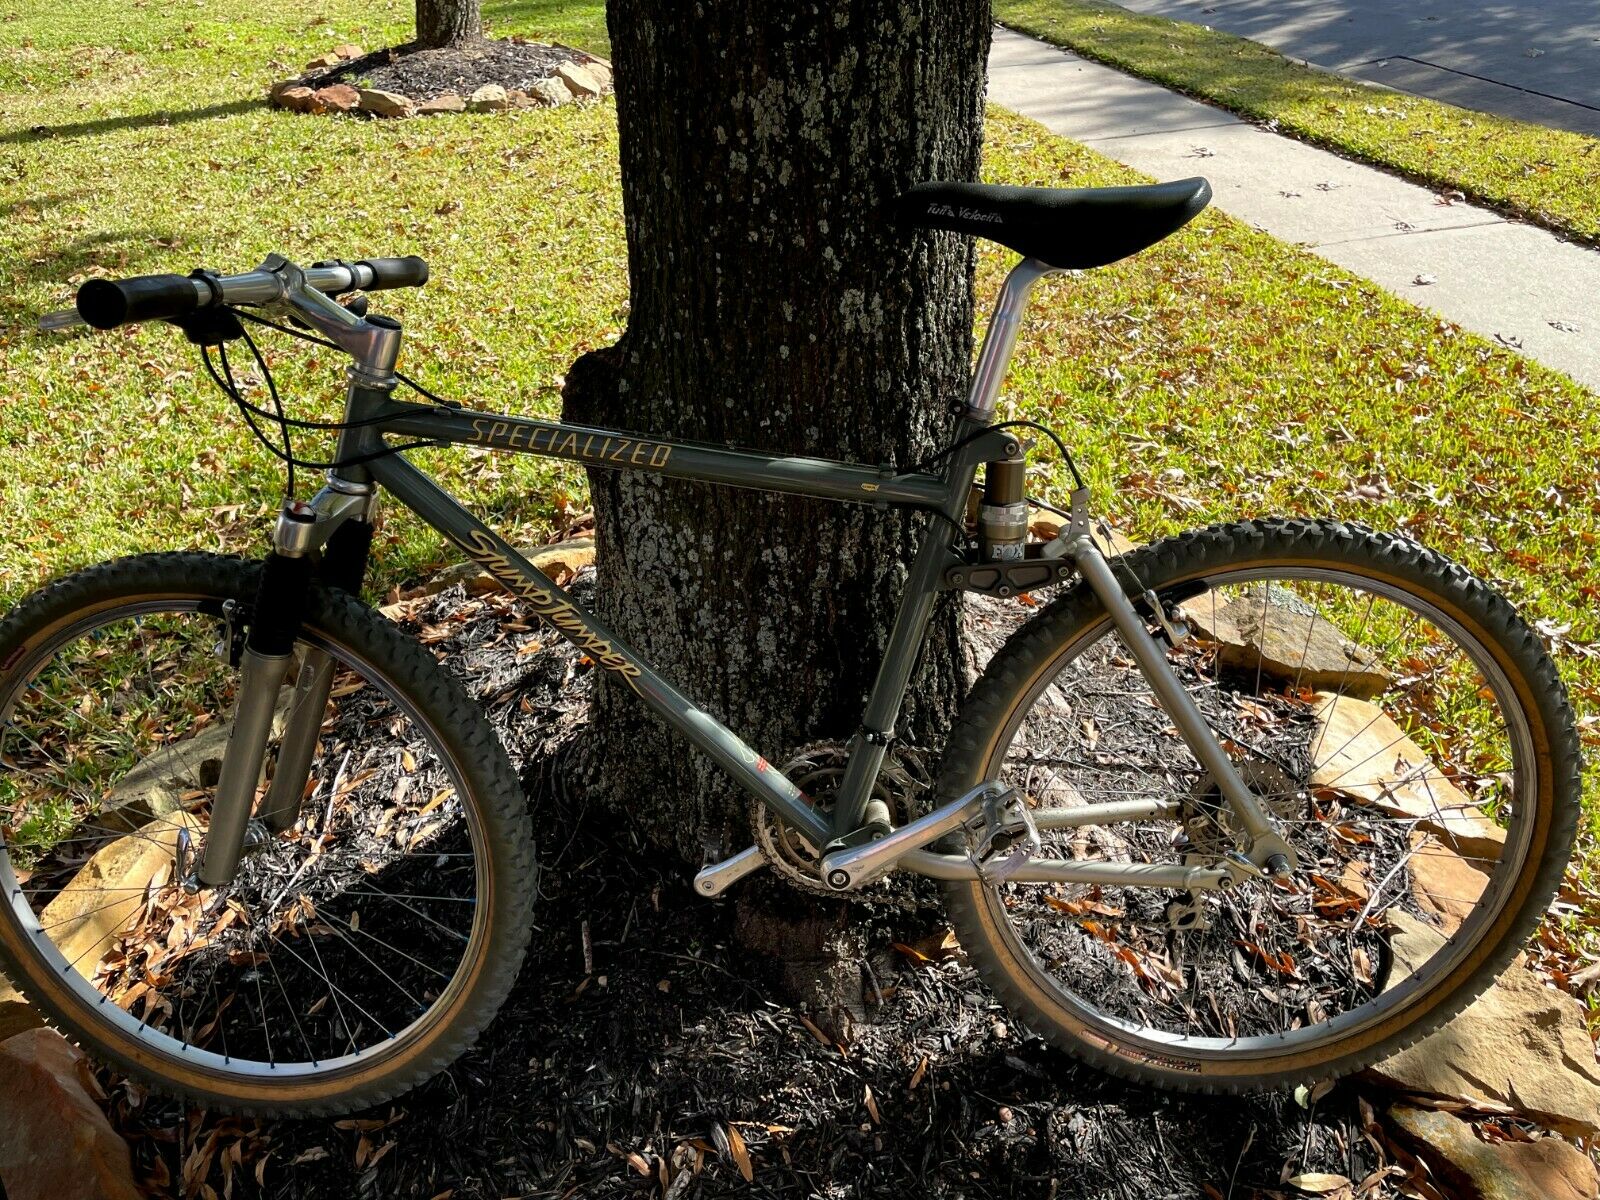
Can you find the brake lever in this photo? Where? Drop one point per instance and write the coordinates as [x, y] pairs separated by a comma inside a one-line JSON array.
[[55, 322]]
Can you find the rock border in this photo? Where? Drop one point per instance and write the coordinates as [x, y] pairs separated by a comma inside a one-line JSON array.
[[587, 80]]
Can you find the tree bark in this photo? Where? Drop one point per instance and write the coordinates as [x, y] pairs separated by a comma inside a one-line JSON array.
[[446, 22], [772, 306]]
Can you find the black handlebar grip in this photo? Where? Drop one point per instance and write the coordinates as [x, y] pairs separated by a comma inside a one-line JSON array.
[[409, 271], [108, 303]]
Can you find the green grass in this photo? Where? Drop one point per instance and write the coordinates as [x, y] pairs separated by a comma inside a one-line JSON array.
[[1544, 175], [1226, 374], [1222, 374], [160, 155]]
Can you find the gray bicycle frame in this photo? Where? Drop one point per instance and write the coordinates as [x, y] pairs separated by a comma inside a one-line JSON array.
[[373, 415]]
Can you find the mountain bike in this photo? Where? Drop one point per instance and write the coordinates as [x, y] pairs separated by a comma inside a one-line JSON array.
[[1252, 806]]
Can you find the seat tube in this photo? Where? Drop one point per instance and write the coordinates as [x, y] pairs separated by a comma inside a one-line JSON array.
[[854, 807], [871, 743]]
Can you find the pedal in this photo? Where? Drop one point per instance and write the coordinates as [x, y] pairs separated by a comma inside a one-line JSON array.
[[718, 877], [1002, 836]]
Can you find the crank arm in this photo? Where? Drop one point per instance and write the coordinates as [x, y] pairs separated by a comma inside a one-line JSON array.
[[714, 879], [847, 869]]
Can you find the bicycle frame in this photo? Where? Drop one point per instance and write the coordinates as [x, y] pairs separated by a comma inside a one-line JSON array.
[[855, 854]]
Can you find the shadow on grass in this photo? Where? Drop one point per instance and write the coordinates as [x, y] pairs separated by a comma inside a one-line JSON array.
[[121, 252], [166, 117]]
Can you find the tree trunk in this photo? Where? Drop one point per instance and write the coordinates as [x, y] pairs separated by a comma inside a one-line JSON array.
[[773, 307], [446, 22]]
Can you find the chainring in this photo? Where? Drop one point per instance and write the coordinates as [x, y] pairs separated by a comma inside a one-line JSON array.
[[816, 770]]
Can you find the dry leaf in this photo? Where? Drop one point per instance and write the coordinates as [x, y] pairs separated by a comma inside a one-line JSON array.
[[871, 1102], [1318, 1183], [741, 1156], [917, 1075], [815, 1032]]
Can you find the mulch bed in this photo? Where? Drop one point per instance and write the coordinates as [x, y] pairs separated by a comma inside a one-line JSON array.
[[425, 74], [645, 1052]]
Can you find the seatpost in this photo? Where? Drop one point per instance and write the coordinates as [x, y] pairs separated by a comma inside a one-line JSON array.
[[1001, 338]]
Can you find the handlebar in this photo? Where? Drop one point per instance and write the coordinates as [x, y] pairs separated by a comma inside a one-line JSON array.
[[109, 303]]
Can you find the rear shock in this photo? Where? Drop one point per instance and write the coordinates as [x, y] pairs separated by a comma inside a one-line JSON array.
[[1003, 515]]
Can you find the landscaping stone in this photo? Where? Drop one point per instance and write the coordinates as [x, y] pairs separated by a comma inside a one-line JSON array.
[[385, 104], [492, 75], [1360, 751], [16, 1014], [1520, 1045], [491, 97], [447, 103], [157, 786], [579, 81], [1470, 1169], [297, 98], [58, 1144], [550, 92], [82, 922], [1444, 885], [1272, 634], [336, 97]]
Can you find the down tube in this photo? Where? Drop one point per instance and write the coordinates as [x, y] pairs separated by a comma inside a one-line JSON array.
[[491, 552]]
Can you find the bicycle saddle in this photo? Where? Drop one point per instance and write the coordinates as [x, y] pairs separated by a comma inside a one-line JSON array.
[[1072, 228]]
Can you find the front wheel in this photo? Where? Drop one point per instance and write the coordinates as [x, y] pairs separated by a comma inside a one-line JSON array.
[[1394, 716], [356, 953]]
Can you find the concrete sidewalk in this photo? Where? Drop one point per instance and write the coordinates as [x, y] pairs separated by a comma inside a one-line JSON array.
[[1513, 283]]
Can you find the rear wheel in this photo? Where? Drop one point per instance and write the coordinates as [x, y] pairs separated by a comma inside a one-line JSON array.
[[1395, 717], [354, 955]]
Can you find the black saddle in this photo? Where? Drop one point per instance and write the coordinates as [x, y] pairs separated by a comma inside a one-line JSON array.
[[1068, 228]]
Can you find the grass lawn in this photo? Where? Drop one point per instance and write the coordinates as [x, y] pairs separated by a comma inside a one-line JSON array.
[[1223, 374], [1544, 175]]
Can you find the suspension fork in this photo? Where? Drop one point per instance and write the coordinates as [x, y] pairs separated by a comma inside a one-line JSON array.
[[340, 513], [343, 568]]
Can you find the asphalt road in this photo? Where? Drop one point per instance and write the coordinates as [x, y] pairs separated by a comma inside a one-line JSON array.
[[1537, 60]]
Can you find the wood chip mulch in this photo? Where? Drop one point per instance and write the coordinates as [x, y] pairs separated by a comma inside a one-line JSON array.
[[644, 1053], [425, 74]]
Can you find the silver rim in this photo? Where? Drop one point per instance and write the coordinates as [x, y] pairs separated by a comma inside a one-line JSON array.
[[1400, 983], [288, 977]]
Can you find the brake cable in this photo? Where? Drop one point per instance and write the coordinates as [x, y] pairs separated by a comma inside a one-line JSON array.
[[250, 412], [229, 386]]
